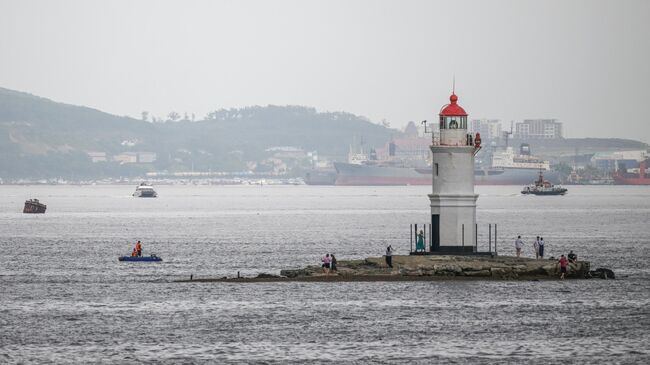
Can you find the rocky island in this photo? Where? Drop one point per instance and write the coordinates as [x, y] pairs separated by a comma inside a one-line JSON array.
[[429, 268]]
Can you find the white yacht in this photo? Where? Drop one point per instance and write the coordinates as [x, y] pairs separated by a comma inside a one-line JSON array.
[[145, 191]]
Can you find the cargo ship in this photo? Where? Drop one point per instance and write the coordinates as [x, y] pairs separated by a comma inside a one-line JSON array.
[[506, 168], [380, 174], [623, 177], [352, 174], [320, 177]]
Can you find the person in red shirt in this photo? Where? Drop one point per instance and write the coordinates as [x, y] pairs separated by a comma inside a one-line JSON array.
[[563, 266]]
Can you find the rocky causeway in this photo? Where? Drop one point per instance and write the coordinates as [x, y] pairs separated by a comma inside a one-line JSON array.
[[430, 267]]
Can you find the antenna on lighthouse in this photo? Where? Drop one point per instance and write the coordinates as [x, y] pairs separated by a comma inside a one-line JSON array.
[[453, 85]]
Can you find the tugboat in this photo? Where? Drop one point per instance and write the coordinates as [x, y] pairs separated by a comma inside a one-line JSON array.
[[34, 206], [543, 187], [145, 191]]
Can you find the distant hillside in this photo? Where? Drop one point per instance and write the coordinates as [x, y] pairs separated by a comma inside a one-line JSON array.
[[40, 138], [38, 125]]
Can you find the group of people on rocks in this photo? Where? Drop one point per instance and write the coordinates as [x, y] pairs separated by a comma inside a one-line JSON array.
[[329, 260], [329, 263], [538, 245]]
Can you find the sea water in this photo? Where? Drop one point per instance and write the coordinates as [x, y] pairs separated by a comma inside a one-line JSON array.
[[65, 298]]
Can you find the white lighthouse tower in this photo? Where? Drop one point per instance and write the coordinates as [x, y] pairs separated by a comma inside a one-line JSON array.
[[453, 201]]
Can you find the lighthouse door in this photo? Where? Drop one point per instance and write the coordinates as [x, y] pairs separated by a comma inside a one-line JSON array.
[[435, 232]]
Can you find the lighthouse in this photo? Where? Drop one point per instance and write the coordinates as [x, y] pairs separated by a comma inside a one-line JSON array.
[[453, 201]]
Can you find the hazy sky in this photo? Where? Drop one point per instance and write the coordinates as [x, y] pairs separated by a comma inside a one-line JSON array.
[[586, 63]]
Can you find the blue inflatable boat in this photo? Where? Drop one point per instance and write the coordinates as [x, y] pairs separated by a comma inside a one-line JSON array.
[[152, 258]]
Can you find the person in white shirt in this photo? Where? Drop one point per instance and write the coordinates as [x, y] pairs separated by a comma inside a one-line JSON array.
[[536, 247], [541, 247], [518, 245]]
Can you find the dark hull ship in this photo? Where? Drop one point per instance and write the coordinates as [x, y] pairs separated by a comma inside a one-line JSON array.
[[34, 206]]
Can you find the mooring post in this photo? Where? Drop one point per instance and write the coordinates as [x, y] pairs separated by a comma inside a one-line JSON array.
[[490, 237], [411, 232], [495, 238], [415, 229]]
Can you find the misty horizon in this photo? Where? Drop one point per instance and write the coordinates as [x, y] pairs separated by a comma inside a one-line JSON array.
[[577, 62]]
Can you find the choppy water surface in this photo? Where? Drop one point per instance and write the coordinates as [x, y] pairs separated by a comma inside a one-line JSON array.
[[64, 297]]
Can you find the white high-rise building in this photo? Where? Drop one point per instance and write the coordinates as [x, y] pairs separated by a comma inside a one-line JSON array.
[[453, 201], [488, 128], [538, 129]]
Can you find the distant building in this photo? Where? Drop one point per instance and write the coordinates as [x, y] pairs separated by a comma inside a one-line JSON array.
[[611, 161], [126, 157], [287, 152], [135, 157], [489, 128], [130, 142], [97, 156], [273, 166], [146, 157], [538, 129]]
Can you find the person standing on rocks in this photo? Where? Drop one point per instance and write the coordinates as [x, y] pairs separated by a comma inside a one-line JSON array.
[[333, 263], [518, 245], [327, 261], [536, 247], [563, 266], [541, 247], [389, 256]]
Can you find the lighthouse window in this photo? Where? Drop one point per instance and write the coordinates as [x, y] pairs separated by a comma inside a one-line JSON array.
[[454, 122], [436, 169]]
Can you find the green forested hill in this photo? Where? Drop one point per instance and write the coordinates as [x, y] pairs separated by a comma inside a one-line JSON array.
[[42, 138]]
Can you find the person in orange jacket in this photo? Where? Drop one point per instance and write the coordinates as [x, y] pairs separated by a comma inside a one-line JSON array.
[[134, 253], [138, 248]]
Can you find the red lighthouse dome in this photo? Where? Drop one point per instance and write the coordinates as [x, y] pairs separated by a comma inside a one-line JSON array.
[[452, 109]]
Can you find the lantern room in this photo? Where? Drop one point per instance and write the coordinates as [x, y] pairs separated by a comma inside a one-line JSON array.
[[452, 115], [453, 124]]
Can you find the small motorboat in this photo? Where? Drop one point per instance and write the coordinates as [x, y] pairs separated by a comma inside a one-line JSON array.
[[34, 206], [152, 258], [145, 191]]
